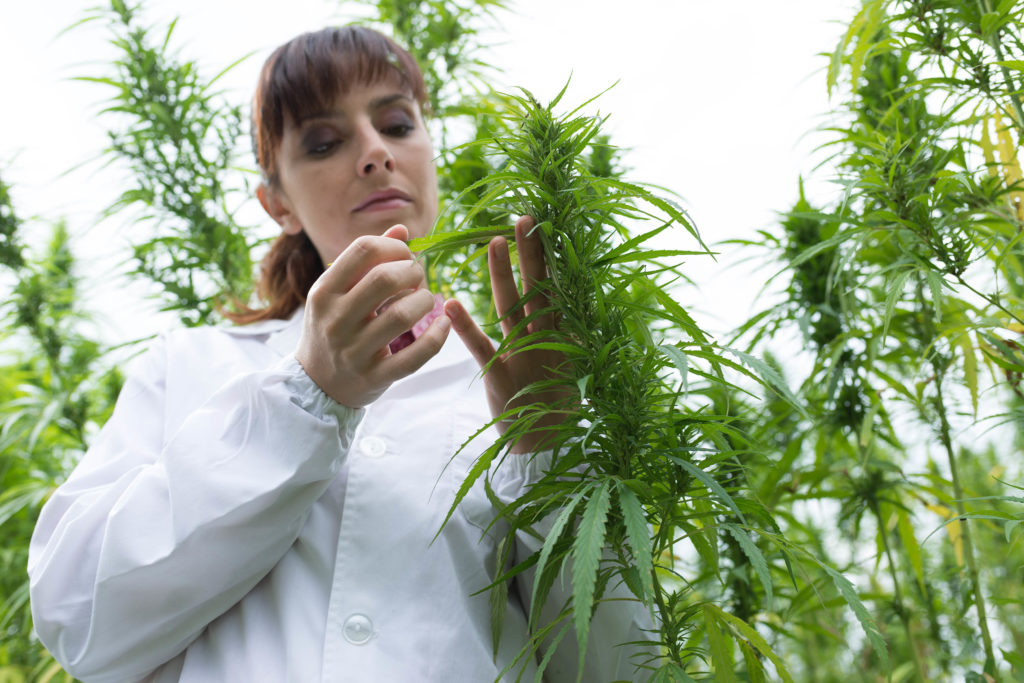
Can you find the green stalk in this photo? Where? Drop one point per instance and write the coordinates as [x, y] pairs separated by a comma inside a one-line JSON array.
[[900, 606], [958, 494], [990, 299]]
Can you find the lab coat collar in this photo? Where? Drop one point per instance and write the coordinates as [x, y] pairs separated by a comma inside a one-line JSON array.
[[281, 335]]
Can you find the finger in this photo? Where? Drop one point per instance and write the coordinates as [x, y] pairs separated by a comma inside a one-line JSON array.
[[503, 285], [363, 254], [533, 268], [382, 283], [399, 317], [477, 343], [398, 232], [413, 357]]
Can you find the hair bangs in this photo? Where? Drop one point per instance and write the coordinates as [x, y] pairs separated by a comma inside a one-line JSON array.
[[305, 76]]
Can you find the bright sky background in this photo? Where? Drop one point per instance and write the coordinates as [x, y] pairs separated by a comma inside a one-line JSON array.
[[715, 101]]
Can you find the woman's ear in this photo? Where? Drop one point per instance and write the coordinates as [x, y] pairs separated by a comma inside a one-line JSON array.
[[277, 206]]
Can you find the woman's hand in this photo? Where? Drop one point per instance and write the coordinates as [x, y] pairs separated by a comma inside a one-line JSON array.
[[510, 373], [347, 326]]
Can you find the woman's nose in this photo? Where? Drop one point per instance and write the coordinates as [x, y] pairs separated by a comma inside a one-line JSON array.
[[375, 155]]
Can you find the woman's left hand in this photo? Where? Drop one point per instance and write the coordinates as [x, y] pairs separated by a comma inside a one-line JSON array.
[[509, 373]]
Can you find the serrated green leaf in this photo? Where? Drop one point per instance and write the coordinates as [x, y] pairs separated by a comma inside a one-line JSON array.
[[911, 546], [893, 295], [498, 595], [745, 630], [544, 576], [756, 558], [849, 594], [581, 384], [771, 378], [989, 23], [867, 427], [970, 369], [709, 483], [639, 539], [755, 667], [670, 672], [587, 550], [719, 649], [681, 362], [551, 648]]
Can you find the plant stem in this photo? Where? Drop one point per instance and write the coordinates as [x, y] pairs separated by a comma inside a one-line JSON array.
[[898, 593], [958, 494], [990, 299]]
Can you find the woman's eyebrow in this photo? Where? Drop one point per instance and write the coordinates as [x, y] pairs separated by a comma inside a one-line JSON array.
[[388, 99], [375, 104]]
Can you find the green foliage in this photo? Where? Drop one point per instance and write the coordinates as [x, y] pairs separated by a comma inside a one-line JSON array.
[[443, 36], [637, 468], [55, 390], [904, 290], [179, 139]]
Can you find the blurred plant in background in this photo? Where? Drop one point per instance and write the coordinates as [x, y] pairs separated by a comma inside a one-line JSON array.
[[906, 291], [56, 389]]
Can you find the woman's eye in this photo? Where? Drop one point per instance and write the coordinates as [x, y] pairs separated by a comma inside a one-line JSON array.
[[321, 148], [320, 141], [398, 130]]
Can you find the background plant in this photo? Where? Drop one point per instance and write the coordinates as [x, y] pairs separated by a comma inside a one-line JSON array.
[[55, 391], [905, 290]]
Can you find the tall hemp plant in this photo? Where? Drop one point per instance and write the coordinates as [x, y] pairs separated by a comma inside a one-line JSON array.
[[179, 139], [906, 290]]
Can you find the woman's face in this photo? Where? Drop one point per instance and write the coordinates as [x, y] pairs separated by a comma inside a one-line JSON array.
[[358, 169]]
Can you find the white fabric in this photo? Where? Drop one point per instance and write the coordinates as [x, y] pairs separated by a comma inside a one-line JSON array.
[[233, 523]]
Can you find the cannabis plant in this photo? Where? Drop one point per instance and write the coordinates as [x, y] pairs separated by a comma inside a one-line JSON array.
[[647, 460]]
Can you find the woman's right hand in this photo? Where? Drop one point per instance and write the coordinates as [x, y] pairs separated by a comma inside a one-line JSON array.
[[346, 332]]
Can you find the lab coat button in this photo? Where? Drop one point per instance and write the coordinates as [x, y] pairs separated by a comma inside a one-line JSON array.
[[358, 629], [372, 446]]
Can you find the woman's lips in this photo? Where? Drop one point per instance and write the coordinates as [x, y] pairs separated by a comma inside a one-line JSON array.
[[384, 201]]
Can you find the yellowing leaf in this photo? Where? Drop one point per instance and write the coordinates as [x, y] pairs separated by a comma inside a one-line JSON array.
[[987, 148], [911, 546], [970, 369], [953, 529], [1008, 160]]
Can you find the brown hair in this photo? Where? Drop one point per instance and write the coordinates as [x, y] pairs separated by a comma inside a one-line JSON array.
[[304, 77]]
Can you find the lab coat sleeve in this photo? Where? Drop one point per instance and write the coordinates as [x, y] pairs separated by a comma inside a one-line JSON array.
[[154, 535], [619, 620]]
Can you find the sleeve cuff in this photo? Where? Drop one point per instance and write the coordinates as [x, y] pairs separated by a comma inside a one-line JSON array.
[[305, 393]]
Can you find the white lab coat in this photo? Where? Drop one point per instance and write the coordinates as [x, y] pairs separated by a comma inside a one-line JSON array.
[[233, 523]]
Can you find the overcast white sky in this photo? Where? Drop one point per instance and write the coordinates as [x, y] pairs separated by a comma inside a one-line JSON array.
[[714, 101]]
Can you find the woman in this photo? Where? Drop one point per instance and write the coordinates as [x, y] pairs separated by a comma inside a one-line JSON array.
[[262, 503]]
